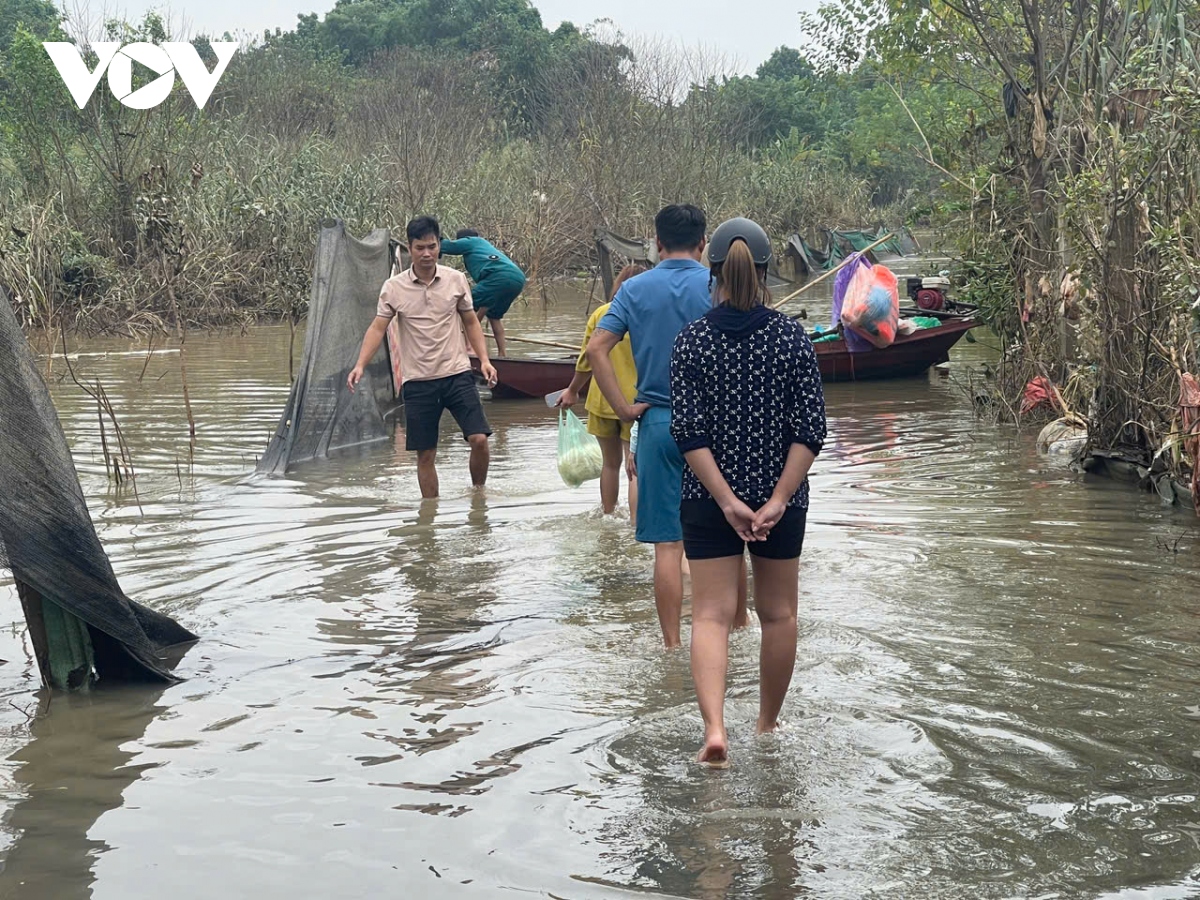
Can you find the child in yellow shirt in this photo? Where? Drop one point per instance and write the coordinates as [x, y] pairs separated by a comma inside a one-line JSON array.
[[610, 431]]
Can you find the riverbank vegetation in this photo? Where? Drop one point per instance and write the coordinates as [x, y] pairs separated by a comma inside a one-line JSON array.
[[124, 219], [1081, 233]]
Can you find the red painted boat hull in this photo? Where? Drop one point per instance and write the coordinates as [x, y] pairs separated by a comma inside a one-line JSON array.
[[520, 379], [909, 356]]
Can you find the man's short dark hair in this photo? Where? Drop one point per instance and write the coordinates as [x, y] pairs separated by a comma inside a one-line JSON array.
[[467, 232], [680, 226], [423, 227]]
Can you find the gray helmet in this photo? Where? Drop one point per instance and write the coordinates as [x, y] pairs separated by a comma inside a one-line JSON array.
[[739, 229]]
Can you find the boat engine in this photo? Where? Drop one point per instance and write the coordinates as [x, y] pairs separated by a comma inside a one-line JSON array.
[[929, 293]]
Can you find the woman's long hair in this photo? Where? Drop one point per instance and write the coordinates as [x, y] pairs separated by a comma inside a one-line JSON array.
[[628, 272], [740, 283]]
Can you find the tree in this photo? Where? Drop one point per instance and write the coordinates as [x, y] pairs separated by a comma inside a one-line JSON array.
[[505, 37], [427, 147], [770, 108], [40, 18], [785, 64], [25, 73]]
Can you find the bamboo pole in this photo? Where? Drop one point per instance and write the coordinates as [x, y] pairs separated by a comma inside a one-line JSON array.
[[573, 349], [833, 271]]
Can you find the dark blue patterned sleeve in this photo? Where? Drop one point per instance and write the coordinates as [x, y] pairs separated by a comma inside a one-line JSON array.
[[689, 424], [806, 418]]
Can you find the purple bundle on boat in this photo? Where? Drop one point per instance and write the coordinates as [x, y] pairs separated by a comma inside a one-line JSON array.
[[855, 343]]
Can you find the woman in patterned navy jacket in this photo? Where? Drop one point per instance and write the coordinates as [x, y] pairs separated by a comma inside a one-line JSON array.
[[748, 414]]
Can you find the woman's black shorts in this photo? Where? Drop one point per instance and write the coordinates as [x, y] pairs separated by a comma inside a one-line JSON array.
[[707, 535]]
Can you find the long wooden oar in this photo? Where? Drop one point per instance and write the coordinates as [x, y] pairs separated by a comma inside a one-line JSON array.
[[573, 349], [833, 271]]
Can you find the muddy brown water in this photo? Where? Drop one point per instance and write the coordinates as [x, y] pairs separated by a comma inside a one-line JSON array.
[[996, 695]]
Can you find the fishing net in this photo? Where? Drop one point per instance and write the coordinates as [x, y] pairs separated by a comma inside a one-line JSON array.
[[841, 244], [806, 259], [322, 414], [857, 241], [907, 242], [613, 250], [84, 626]]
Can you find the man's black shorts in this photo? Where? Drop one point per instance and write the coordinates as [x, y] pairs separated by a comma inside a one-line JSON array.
[[707, 534], [424, 402]]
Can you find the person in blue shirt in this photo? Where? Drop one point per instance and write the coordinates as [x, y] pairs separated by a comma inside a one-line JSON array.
[[498, 280], [652, 308]]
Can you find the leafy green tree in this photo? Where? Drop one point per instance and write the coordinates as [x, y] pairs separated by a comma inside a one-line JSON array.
[[40, 18], [785, 64], [26, 74], [506, 37], [853, 114], [784, 96], [360, 28]]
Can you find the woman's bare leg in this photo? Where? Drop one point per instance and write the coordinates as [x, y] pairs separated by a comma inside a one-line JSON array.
[[741, 618], [714, 599], [776, 585]]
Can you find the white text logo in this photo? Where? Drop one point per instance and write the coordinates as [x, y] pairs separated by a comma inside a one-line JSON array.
[[165, 60]]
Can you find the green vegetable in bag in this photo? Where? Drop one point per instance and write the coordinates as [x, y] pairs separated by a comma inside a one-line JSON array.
[[579, 456]]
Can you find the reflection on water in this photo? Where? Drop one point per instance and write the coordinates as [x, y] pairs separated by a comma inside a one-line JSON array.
[[995, 694], [71, 769]]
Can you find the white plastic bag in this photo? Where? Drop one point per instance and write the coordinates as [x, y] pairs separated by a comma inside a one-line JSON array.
[[579, 455]]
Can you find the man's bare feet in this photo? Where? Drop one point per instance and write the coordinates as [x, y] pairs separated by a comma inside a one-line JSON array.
[[715, 753], [766, 727]]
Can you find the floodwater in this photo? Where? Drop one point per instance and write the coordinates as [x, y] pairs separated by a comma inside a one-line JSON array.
[[996, 695]]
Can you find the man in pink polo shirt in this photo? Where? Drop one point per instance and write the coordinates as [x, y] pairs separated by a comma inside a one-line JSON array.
[[436, 319]]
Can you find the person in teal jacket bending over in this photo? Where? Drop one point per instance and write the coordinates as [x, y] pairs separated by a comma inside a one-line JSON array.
[[498, 280]]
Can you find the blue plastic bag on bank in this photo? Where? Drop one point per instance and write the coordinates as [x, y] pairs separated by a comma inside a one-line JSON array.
[[579, 456]]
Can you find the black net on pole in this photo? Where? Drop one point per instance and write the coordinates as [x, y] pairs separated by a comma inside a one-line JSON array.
[[321, 413], [47, 540]]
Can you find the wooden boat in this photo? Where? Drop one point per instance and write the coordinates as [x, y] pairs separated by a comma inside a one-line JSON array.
[[520, 379], [909, 356]]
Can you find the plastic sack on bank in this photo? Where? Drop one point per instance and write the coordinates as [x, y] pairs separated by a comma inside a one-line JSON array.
[[579, 456], [871, 308], [1064, 441], [841, 281]]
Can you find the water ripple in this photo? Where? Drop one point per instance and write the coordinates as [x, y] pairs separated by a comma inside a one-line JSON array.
[[995, 694]]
